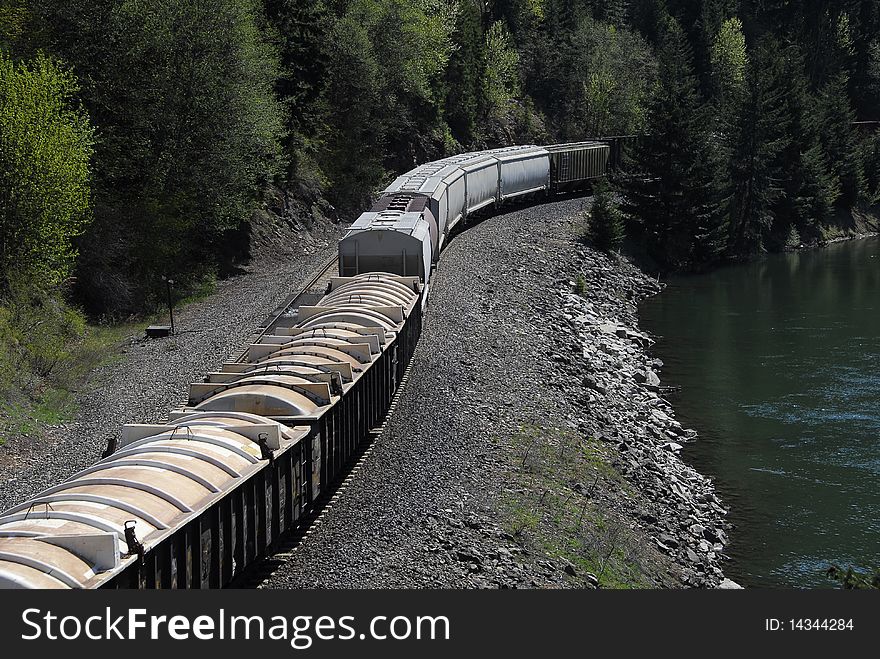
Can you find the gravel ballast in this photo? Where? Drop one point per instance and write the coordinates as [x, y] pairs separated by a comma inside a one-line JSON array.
[[531, 446]]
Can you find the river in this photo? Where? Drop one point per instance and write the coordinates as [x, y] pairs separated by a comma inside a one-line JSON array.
[[778, 368]]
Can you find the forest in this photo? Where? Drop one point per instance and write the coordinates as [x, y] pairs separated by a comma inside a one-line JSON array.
[[138, 136]]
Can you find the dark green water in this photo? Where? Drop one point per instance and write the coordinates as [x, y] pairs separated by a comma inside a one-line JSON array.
[[779, 367]]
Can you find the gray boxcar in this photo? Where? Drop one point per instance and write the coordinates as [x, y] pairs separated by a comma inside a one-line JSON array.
[[572, 165], [388, 242]]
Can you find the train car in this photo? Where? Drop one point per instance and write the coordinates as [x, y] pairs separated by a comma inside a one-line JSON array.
[[481, 183], [190, 503], [575, 164], [402, 242], [438, 195], [156, 513], [522, 171], [442, 182], [469, 182]]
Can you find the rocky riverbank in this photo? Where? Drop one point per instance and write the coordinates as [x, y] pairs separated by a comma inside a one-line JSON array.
[[532, 446], [609, 366]]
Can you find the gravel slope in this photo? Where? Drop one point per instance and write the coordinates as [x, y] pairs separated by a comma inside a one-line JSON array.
[[432, 505], [153, 376]]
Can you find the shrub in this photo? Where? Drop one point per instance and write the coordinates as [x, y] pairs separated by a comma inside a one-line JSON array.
[[605, 229]]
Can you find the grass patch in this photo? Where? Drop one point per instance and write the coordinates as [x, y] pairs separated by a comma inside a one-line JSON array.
[[99, 345], [47, 351], [204, 289], [552, 507], [51, 408]]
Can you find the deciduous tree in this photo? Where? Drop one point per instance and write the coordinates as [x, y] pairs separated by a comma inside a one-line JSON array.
[[45, 145]]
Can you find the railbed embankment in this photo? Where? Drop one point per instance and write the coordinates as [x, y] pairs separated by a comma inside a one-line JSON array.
[[532, 446]]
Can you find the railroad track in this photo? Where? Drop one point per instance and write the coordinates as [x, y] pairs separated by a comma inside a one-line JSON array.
[[313, 291], [258, 573]]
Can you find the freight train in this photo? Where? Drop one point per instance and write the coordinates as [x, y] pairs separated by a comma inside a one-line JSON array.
[[191, 503]]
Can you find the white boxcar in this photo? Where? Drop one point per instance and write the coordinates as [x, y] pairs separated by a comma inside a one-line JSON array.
[[390, 241], [524, 170], [467, 182], [481, 182], [450, 197], [407, 202]]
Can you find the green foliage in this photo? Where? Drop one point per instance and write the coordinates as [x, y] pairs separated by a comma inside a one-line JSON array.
[[200, 106], [613, 72], [674, 197], [400, 51], [353, 103], [808, 190], [598, 80], [729, 60], [755, 138], [615, 12], [13, 20], [501, 82], [45, 146], [47, 351], [301, 31], [37, 333], [839, 141], [872, 73], [606, 229], [544, 513], [464, 75], [871, 147], [855, 579], [413, 43], [182, 94]]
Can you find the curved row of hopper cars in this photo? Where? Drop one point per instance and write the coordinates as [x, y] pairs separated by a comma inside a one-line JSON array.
[[190, 503]]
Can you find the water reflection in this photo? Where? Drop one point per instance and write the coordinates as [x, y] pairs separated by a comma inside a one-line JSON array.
[[778, 366]]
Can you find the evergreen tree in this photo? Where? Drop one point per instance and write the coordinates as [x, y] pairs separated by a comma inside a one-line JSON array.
[[649, 17], [840, 140], [413, 43], [302, 32], [605, 230], [864, 84], [807, 187], [606, 91], [754, 139], [353, 111], [615, 12], [713, 15], [728, 65], [181, 93], [675, 196], [466, 68], [14, 18], [872, 167]]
